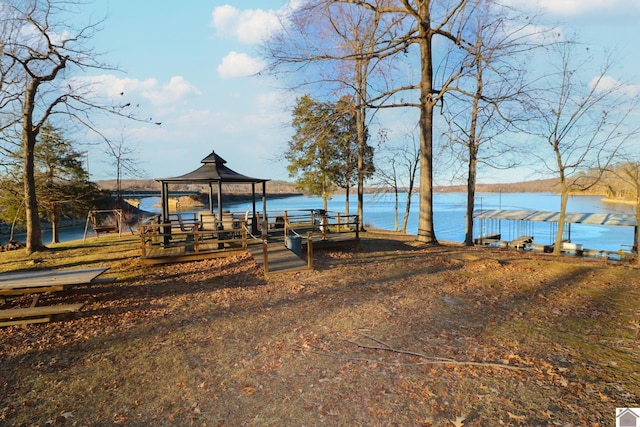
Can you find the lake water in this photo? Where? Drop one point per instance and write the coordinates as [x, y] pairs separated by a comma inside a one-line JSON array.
[[449, 214]]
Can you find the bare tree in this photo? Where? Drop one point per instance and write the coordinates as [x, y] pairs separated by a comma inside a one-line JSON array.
[[629, 173], [584, 122], [123, 158], [478, 109], [41, 51], [398, 168]]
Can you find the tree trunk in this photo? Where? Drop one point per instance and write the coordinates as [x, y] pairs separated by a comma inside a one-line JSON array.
[[564, 197], [471, 193], [346, 201], [361, 124], [325, 195], [473, 157], [636, 237], [396, 208], [34, 231], [426, 231], [55, 235], [407, 210]]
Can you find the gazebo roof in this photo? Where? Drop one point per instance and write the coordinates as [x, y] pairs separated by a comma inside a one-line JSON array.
[[213, 169]]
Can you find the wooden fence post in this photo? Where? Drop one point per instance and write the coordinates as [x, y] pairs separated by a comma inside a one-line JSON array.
[[265, 257], [309, 251], [196, 240], [142, 236], [325, 225], [244, 235], [286, 226]]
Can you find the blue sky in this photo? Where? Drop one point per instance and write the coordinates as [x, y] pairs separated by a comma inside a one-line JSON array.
[[190, 65]]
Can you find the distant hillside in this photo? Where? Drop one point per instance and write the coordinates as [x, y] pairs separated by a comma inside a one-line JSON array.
[[610, 187], [534, 186], [274, 187]]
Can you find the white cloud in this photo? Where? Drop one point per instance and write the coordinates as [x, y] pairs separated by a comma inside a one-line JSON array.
[[610, 84], [577, 7], [177, 89], [249, 26], [112, 87], [239, 65]]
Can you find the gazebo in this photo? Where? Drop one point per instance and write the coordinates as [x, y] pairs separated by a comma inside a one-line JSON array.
[[213, 171]]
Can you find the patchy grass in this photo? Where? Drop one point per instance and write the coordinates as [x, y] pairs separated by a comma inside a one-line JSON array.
[[396, 334]]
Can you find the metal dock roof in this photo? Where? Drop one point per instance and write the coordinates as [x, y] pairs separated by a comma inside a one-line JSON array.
[[613, 219]]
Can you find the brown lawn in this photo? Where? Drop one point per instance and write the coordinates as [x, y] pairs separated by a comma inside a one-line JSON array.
[[396, 334]]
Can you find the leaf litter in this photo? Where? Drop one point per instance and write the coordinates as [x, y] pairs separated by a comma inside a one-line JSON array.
[[396, 333]]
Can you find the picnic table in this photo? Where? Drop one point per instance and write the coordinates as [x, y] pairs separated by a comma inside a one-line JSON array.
[[42, 281]]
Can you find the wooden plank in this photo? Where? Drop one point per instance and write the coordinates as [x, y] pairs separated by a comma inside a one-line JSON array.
[[42, 278], [280, 259], [14, 313], [25, 322], [23, 291]]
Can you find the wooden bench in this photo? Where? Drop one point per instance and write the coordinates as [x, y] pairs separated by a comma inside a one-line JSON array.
[[26, 291], [24, 316], [105, 229]]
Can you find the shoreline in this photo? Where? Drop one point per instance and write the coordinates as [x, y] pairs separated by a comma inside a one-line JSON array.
[[619, 201]]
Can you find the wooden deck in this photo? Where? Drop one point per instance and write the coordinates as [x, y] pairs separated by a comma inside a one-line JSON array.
[[162, 244], [334, 240]]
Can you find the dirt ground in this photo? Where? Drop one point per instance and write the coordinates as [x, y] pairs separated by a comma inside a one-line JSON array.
[[394, 334]]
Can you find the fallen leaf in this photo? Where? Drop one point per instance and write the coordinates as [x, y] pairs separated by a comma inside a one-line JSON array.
[[516, 417], [248, 390], [459, 421]]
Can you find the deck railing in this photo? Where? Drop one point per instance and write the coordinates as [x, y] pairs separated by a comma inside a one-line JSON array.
[[317, 223], [188, 234], [164, 238]]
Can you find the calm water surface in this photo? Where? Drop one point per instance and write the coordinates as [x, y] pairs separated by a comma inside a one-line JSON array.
[[449, 213]]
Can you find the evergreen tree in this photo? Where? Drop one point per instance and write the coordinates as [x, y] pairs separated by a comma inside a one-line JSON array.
[[63, 183], [62, 187], [323, 152], [346, 125], [312, 152]]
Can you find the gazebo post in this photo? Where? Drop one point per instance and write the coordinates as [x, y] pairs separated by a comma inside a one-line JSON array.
[[211, 197], [220, 226], [220, 202], [163, 197], [264, 208], [254, 218], [166, 228]]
